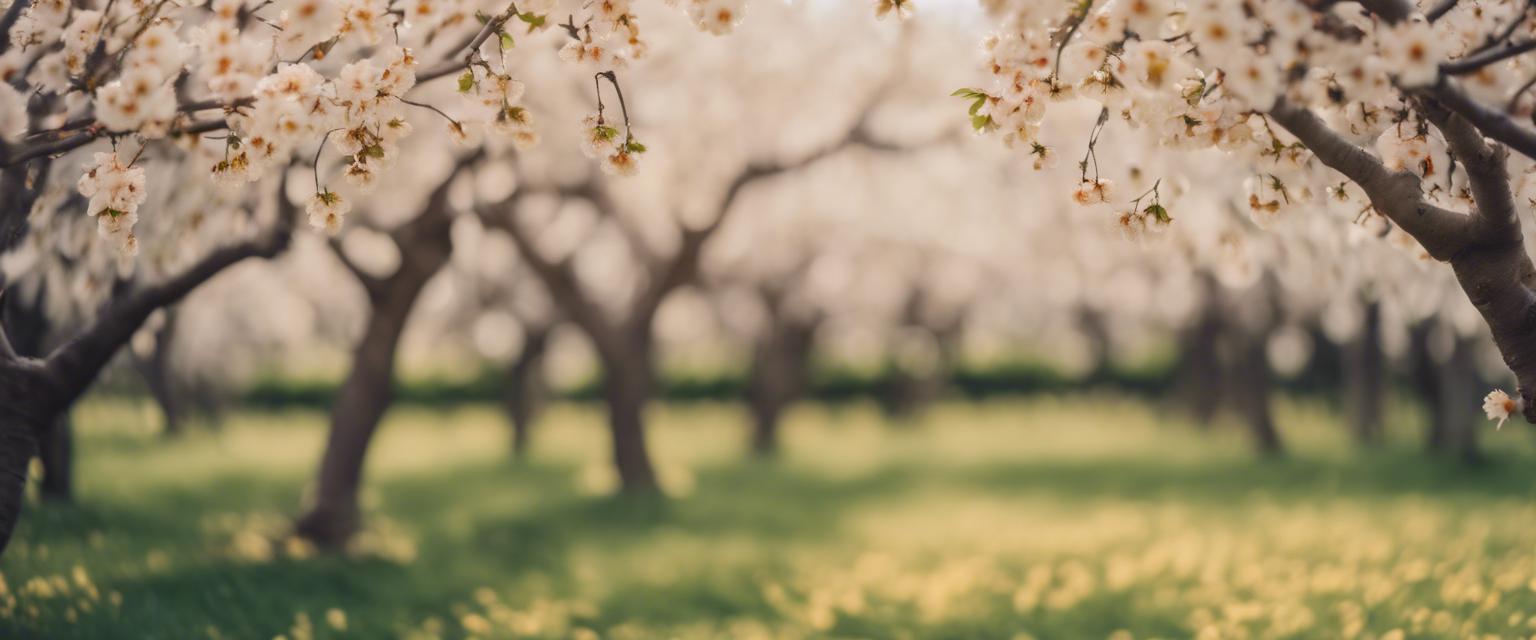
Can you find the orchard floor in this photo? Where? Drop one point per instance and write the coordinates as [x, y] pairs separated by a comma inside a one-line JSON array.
[[1077, 517]]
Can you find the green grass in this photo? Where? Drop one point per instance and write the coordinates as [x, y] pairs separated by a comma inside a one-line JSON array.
[[1051, 518]]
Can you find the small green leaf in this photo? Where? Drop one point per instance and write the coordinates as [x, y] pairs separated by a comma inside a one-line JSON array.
[[506, 40], [1157, 211], [981, 123], [634, 146], [534, 21], [976, 106], [965, 92], [374, 151], [605, 132], [466, 81]]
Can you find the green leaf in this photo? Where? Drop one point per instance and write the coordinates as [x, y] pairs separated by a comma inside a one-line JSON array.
[[466, 81], [374, 151], [605, 132], [980, 123], [534, 22], [966, 92], [634, 146], [1157, 211], [976, 106], [506, 40]]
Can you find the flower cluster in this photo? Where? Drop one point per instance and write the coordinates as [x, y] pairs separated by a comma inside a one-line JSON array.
[[1203, 74], [619, 153], [115, 190]]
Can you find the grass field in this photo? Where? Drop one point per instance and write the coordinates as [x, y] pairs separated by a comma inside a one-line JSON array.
[[1050, 518]]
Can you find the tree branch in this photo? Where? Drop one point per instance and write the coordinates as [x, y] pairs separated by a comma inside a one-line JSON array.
[[559, 278], [73, 366], [1491, 123], [1397, 195], [372, 284], [1487, 172]]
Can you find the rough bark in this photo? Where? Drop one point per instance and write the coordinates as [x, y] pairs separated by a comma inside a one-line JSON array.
[[1366, 380], [527, 389], [22, 419], [29, 331], [56, 451]]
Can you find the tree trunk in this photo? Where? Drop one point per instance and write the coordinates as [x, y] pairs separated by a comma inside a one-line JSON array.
[[627, 386], [18, 443], [29, 333], [777, 378], [1254, 383], [333, 515], [1365, 376], [156, 371], [526, 389], [1200, 381], [1424, 376], [28, 400], [1460, 388], [56, 450]]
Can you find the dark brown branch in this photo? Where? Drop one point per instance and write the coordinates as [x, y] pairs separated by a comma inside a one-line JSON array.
[[1490, 122], [73, 366], [371, 284], [559, 278], [12, 14], [1476, 61], [1438, 11], [1396, 194], [1487, 172]]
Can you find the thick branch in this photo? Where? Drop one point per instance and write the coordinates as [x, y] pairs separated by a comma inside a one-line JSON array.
[[372, 284], [1443, 233], [74, 365], [1492, 123], [1476, 61], [559, 278], [1487, 173]]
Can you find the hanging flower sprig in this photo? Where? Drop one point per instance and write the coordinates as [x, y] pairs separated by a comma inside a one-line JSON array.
[[601, 139]]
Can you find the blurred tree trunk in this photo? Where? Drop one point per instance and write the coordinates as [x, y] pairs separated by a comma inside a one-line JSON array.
[[1425, 376], [1095, 331], [777, 376], [1461, 388], [1200, 387], [627, 385], [526, 388], [156, 371], [1365, 379], [1254, 384], [424, 245]]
